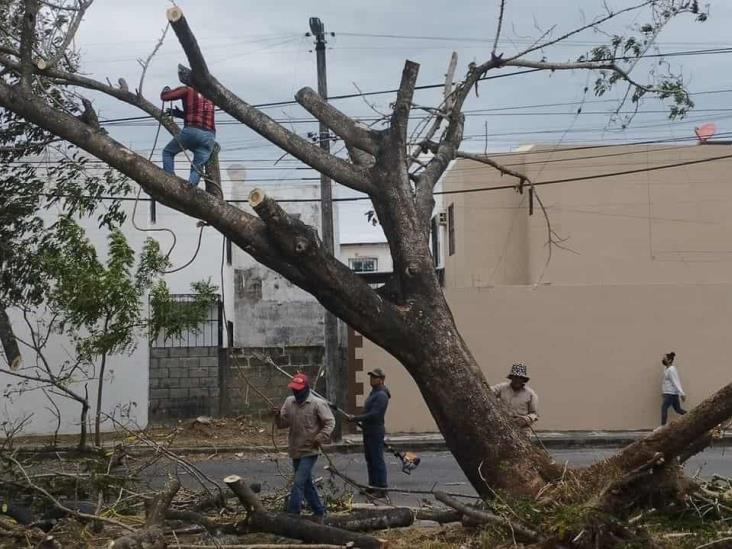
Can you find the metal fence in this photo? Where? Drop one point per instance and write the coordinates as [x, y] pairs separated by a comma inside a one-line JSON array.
[[209, 333]]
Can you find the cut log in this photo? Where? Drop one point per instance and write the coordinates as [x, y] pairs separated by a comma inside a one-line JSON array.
[[152, 536], [202, 520], [290, 526], [246, 495], [366, 520], [441, 516], [156, 509]]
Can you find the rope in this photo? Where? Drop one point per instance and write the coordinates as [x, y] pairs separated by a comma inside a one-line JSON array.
[[165, 229], [137, 199]]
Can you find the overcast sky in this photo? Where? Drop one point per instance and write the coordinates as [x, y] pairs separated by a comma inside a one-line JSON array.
[[260, 51]]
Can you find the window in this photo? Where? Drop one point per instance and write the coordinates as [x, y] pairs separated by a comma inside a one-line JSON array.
[[153, 212], [451, 229], [228, 251], [363, 264]]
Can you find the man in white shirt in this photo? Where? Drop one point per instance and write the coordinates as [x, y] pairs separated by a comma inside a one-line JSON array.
[[520, 399], [673, 393]]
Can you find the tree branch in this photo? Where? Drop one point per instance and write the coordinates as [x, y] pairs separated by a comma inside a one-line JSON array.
[[199, 77], [343, 125], [71, 31], [332, 283], [523, 533], [27, 42], [122, 93], [498, 28], [58, 504], [145, 64], [610, 15], [403, 104]]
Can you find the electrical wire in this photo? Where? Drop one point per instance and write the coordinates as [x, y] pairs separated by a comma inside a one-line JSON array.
[[480, 189]]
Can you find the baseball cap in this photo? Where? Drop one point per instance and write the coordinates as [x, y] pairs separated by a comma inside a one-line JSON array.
[[298, 382], [377, 372]]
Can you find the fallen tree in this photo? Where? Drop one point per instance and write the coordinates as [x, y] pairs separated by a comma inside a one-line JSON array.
[[409, 317]]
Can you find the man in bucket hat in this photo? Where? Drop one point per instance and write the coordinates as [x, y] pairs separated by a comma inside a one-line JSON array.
[[372, 425], [311, 423], [520, 399]]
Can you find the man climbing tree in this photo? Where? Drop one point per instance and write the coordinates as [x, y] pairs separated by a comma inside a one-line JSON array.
[[198, 134], [409, 317]]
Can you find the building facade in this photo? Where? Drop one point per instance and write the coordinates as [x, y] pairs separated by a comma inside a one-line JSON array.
[[642, 266]]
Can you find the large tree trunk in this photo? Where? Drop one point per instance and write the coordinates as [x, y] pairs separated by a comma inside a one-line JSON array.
[[485, 443]]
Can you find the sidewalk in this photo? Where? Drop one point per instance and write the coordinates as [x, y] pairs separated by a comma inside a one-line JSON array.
[[549, 439], [414, 442]]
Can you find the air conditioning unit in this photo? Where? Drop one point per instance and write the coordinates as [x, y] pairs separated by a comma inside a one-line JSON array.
[[442, 218]]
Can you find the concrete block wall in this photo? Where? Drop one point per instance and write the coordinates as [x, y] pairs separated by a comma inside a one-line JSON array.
[[184, 383], [243, 367]]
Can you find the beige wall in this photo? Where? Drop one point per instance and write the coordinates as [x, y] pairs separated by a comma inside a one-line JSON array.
[[665, 226], [593, 351], [650, 271]]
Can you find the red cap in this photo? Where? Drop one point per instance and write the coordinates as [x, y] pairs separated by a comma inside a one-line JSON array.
[[298, 382]]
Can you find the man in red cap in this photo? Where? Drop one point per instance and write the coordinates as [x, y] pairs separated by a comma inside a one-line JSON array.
[[311, 423]]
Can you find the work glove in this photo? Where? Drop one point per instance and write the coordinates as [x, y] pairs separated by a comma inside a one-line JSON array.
[[175, 112]]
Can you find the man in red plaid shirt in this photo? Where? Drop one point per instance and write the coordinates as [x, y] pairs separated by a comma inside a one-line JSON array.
[[198, 134]]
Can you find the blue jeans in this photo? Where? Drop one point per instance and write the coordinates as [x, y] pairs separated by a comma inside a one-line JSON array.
[[200, 142], [669, 401], [373, 449], [303, 486]]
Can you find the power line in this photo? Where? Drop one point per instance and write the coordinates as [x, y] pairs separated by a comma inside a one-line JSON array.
[[467, 191], [340, 97]]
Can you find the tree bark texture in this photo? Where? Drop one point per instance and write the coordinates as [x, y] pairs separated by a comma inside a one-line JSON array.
[[282, 524], [365, 520]]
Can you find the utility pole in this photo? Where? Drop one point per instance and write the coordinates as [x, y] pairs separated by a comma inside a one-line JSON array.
[[335, 367]]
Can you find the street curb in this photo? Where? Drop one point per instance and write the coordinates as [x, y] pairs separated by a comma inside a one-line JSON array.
[[435, 444]]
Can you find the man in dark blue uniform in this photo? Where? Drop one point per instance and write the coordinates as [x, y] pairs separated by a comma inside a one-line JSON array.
[[372, 425]]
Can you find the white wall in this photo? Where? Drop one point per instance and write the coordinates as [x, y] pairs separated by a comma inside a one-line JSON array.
[[127, 378], [270, 310], [378, 250]]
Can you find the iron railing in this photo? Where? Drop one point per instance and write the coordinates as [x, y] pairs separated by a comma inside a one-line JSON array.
[[209, 333]]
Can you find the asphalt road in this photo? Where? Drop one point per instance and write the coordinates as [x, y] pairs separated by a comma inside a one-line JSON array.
[[437, 470]]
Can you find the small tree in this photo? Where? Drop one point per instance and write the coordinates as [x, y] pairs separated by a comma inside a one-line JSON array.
[[64, 378], [100, 303]]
